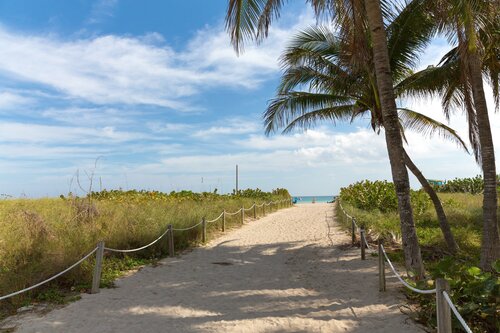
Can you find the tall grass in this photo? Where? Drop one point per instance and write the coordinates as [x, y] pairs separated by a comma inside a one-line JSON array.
[[464, 212], [41, 237]]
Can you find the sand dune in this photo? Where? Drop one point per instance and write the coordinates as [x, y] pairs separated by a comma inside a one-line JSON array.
[[282, 273]]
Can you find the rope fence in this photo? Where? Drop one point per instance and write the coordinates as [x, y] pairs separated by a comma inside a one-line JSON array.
[[100, 248], [444, 304]]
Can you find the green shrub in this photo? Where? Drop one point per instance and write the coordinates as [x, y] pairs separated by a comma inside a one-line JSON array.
[[381, 195], [474, 293], [473, 185]]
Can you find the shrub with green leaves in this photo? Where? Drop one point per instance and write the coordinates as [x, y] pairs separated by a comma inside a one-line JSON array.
[[380, 195], [473, 185], [475, 293]]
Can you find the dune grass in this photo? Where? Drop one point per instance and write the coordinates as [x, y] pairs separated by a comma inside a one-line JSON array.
[[464, 212], [41, 237]]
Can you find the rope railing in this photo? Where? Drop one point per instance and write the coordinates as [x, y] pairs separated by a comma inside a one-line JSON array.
[[237, 212], [136, 249], [188, 228], [444, 304], [99, 250], [455, 311], [217, 218], [249, 208], [406, 284]]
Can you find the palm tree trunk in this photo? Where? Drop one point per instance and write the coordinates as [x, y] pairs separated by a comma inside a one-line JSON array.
[[443, 220], [490, 246], [394, 142]]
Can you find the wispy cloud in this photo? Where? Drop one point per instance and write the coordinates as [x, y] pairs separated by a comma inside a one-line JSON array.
[[233, 126], [143, 70], [10, 100], [101, 10]]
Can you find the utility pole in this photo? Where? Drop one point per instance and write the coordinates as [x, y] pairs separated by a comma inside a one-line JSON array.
[[236, 178]]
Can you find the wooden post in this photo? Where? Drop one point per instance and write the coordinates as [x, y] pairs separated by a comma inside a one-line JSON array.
[[96, 278], [362, 242], [353, 231], [242, 215], [224, 221], [264, 209], [204, 234], [443, 310], [381, 267], [170, 238], [254, 211]]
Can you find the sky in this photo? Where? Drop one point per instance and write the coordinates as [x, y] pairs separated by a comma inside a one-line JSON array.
[[151, 95]]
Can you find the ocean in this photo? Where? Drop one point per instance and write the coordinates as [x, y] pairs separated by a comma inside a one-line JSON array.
[[309, 199]]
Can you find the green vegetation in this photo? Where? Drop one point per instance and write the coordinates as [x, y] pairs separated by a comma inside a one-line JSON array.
[[39, 238], [374, 205], [465, 185]]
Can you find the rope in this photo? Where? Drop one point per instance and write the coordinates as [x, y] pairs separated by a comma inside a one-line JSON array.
[[211, 221], [366, 243], [139, 248], [345, 213], [249, 208], [355, 224], [455, 311], [420, 291], [189, 228], [49, 279], [237, 212]]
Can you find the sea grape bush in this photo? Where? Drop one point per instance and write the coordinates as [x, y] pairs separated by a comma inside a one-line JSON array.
[[473, 185], [474, 292], [148, 196], [381, 195]]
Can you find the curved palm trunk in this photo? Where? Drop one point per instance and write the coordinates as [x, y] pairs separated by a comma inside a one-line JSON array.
[[394, 142], [443, 220], [490, 246]]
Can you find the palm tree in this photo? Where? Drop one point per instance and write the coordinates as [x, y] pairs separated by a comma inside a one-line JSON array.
[[340, 91], [458, 78], [250, 20]]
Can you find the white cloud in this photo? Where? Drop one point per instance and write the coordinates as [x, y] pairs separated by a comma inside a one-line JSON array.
[[10, 100], [138, 70], [305, 150], [101, 10], [35, 133], [231, 127], [89, 117]]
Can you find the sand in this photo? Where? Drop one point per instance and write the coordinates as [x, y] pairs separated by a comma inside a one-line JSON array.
[[282, 273]]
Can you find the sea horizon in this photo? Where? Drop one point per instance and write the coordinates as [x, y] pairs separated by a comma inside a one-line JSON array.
[[309, 198]]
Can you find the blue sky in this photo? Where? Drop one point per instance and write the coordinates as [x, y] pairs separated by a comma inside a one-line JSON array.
[[153, 90]]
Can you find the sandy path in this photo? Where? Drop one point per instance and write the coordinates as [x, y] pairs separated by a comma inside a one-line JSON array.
[[283, 275]]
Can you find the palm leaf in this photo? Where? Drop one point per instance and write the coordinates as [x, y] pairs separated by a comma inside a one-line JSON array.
[[311, 118], [420, 123], [283, 109], [250, 20]]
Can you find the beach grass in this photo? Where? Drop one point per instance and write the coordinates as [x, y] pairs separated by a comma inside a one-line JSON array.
[[464, 212]]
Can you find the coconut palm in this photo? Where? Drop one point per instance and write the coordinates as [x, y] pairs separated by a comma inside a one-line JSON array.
[[250, 20], [458, 79], [337, 90]]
